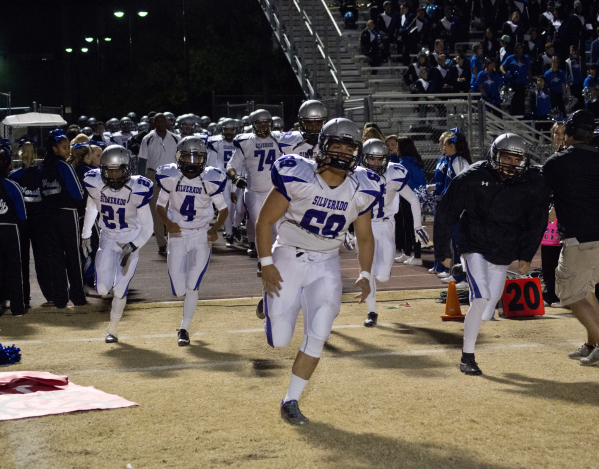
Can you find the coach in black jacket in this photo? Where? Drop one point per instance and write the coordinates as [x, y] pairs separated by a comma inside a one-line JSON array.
[[502, 206]]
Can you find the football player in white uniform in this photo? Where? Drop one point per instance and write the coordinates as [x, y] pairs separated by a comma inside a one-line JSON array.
[[317, 200], [126, 133], [187, 123], [257, 151], [311, 115], [375, 157], [126, 221], [190, 188], [220, 151]]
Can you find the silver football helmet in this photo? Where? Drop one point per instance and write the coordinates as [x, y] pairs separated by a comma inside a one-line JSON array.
[[375, 156], [192, 156], [205, 121], [277, 123], [212, 128], [87, 131], [114, 166], [132, 116], [143, 126], [229, 128], [144, 119], [186, 123], [91, 122], [127, 125], [245, 120], [514, 145], [312, 115], [239, 127], [170, 118], [113, 125], [261, 122], [82, 121], [344, 131]]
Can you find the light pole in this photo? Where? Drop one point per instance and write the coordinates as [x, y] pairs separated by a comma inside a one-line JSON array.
[[120, 14]]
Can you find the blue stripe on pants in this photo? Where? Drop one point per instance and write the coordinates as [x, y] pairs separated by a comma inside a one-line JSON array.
[[474, 290], [268, 324]]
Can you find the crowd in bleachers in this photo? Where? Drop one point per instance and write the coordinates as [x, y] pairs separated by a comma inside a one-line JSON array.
[[532, 50]]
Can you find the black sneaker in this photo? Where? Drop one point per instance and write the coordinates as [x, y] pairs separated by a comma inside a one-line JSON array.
[[470, 367], [260, 309], [183, 336], [371, 320], [237, 234], [252, 251], [259, 271], [291, 413], [229, 241], [162, 250]]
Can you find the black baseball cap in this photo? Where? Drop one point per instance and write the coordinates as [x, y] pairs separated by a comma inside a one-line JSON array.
[[583, 119]]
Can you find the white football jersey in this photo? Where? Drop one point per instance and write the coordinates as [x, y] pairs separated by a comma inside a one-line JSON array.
[[318, 216], [293, 143], [118, 138], [396, 178], [118, 209], [190, 200], [220, 152], [258, 155]]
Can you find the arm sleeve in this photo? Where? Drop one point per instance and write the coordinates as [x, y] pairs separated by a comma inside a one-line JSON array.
[[71, 180], [146, 223], [219, 201], [237, 159], [459, 165], [448, 214], [163, 197], [412, 199], [16, 194], [91, 212]]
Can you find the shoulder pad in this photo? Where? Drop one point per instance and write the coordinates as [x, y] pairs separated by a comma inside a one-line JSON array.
[[368, 179], [242, 137], [213, 174], [168, 170], [140, 184], [396, 171]]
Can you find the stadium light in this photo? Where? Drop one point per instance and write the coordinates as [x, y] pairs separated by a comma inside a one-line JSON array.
[[108, 39], [84, 49], [119, 14], [89, 39], [69, 50], [143, 14]]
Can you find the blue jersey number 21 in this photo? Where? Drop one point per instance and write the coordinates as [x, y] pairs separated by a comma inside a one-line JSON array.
[[108, 217], [187, 208], [270, 158]]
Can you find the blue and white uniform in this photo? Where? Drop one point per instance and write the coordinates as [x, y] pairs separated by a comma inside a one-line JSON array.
[[257, 155], [306, 251], [383, 226], [189, 206], [220, 153], [124, 140], [125, 217], [293, 143]]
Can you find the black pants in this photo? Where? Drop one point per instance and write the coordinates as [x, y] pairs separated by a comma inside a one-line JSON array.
[[31, 233], [61, 259], [404, 230], [557, 101], [593, 107], [517, 107], [549, 261], [576, 91], [10, 268]]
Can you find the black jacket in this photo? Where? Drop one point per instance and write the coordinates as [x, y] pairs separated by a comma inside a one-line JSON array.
[[502, 222], [573, 174]]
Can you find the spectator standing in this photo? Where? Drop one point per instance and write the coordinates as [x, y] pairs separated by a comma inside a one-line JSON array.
[[516, 69], [546, 19], [157, 148], [370, 46], [541, 103], [477, 62], [439, 49], [460, 75], [388, 23], [513, 28], [595, 49], [449, 28], [556, 81], [490, 45], [62, 195], [573, 174], [532, 44], [506, 49], [489, 81], [592, 84], [12, 215], [575, 70]]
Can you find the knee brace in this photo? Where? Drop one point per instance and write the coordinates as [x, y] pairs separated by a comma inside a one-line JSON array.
[[312, 346]]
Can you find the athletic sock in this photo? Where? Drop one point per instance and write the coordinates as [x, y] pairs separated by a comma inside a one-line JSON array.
[[472, 323], [371, 298], [296, 387], [118, 306], [189, 307], [112, 329]]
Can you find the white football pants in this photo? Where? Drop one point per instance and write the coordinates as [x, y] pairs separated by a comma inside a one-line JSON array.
[[486, 281], [230, 207], [188, 258], [109, 273], [312, 283], [254, 202], [384, 256]]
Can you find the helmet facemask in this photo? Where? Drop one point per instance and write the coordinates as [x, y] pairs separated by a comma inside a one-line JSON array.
[[262, 127], [228, 134], [310, 129], [191, 163], [375, 163], [338, 159], [115, 177], [508, 171]]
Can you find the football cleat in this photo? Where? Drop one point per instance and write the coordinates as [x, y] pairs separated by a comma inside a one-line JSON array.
[[183, 338], [252, 251], [229, 241], [162, 250], [260, 310], [371, 319], [592, 359], [237, 234], [110, 339], [291, 413], [470, 367], [583, 352], [259, 271]]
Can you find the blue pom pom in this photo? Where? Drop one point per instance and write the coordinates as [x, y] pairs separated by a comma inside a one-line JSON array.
[[9, 355], [428, 200]]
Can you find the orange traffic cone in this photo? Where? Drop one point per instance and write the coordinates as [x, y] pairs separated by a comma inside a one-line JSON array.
[[453, 312]]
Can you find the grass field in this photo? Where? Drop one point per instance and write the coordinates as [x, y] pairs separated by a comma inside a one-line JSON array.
[[391, 396]]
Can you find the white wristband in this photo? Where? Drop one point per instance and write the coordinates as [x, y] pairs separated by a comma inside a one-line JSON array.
[[264, 261], [365, 275]]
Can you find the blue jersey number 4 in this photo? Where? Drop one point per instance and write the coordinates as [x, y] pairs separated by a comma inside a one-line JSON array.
[[187, 208]]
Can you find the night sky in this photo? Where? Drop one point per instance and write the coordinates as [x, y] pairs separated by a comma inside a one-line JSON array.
[[229, 51]]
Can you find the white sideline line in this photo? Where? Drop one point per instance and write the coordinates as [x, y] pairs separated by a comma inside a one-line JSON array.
[[193, 365]]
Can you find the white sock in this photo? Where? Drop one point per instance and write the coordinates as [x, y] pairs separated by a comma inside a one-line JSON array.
[[296, 387], [112, 329], [371, 298], [189, 307], [474, 318], [118, 306], [399, 253]]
